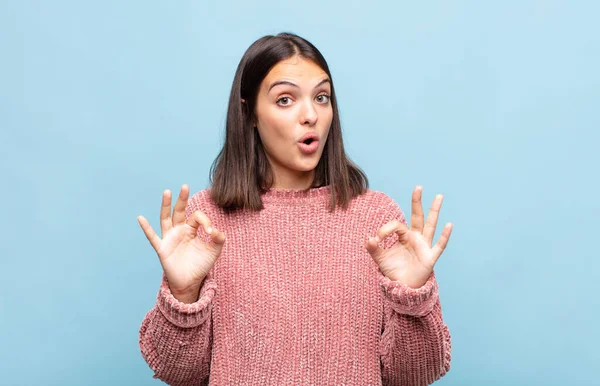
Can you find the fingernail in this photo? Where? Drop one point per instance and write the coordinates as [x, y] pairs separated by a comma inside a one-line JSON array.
[[209, 230], [377, 239]]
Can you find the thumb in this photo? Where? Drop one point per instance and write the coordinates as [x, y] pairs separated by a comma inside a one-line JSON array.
[[217, 239], [375, 250]]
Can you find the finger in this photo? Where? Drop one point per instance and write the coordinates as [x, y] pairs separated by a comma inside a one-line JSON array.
[[217, 240], [149, 232], [373, 248], [217, 237], [442, 242], [165, 213], [199, 218], [373, 243], [179, 211], [416, 220], [390, 228], [432, 219]]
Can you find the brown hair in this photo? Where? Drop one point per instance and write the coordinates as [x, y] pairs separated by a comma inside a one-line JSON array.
[[241, 172]]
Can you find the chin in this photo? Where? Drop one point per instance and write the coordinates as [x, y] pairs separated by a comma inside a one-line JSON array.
[[305, 168], [310, 163]]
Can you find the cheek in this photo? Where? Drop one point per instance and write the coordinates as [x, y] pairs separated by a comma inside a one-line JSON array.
[[329, 116], [278, 125], [326, 119]]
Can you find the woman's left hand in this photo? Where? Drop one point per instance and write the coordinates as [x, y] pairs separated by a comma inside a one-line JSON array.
[[410, 260]]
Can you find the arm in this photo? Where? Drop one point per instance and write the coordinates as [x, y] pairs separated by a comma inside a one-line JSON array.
[[415, 345], [176, 338]]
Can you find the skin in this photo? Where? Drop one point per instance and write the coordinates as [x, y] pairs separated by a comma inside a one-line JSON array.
[[286, 112]]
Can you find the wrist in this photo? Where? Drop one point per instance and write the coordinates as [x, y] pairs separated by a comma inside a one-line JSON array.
[[185, 311], [188, 296]]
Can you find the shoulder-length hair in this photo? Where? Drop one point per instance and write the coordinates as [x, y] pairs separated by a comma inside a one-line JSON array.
[[241, 172]]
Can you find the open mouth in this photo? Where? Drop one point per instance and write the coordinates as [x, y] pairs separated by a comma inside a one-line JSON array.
[[309, 146]]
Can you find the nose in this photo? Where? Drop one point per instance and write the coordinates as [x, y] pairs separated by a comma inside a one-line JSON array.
[[308, 114]]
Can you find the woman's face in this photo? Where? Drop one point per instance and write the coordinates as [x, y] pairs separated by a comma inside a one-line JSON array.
[[293, 100]]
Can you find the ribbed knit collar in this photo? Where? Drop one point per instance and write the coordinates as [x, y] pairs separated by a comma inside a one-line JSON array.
[[280, 196]]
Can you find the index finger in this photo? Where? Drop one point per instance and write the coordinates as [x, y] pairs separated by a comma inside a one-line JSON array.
[[199, 218]]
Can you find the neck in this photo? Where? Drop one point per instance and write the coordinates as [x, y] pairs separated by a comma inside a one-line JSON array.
[[296, 183], [286, 179]]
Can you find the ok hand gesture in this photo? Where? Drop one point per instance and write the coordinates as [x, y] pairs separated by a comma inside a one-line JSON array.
[[186, 260], [411, 259]]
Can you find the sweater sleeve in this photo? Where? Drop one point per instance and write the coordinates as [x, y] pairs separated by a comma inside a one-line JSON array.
[[175, 338], [415, 346]]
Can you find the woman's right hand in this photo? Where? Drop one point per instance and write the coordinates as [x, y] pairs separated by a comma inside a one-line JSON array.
[[186, 260]]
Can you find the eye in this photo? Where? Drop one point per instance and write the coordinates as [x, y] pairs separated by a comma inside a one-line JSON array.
[[283, 99], [324, 98]]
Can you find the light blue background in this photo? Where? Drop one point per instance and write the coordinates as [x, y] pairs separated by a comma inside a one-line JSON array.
[[103, 105]]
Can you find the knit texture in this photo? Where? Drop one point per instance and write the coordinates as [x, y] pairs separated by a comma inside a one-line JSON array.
[[296, 299]]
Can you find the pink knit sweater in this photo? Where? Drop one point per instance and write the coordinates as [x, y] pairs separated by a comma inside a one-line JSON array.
[[296, 299]]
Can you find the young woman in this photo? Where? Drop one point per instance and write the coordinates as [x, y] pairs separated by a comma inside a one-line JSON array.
[[289, 270]]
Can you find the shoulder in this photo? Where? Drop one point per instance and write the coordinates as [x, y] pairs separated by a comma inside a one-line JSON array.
[[378, 199], [386, 205], [201, 200], [201, 195]]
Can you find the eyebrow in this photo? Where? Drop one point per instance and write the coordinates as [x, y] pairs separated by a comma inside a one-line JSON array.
[[278, 82]]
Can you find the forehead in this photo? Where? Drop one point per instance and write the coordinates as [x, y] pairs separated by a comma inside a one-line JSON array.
[[296, 69]]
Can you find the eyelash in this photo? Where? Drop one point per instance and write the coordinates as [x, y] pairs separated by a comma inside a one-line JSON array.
[[320, 95]]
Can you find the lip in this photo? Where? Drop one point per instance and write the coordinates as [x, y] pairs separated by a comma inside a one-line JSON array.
[[314, 145], [306, 136], [309, 149]]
